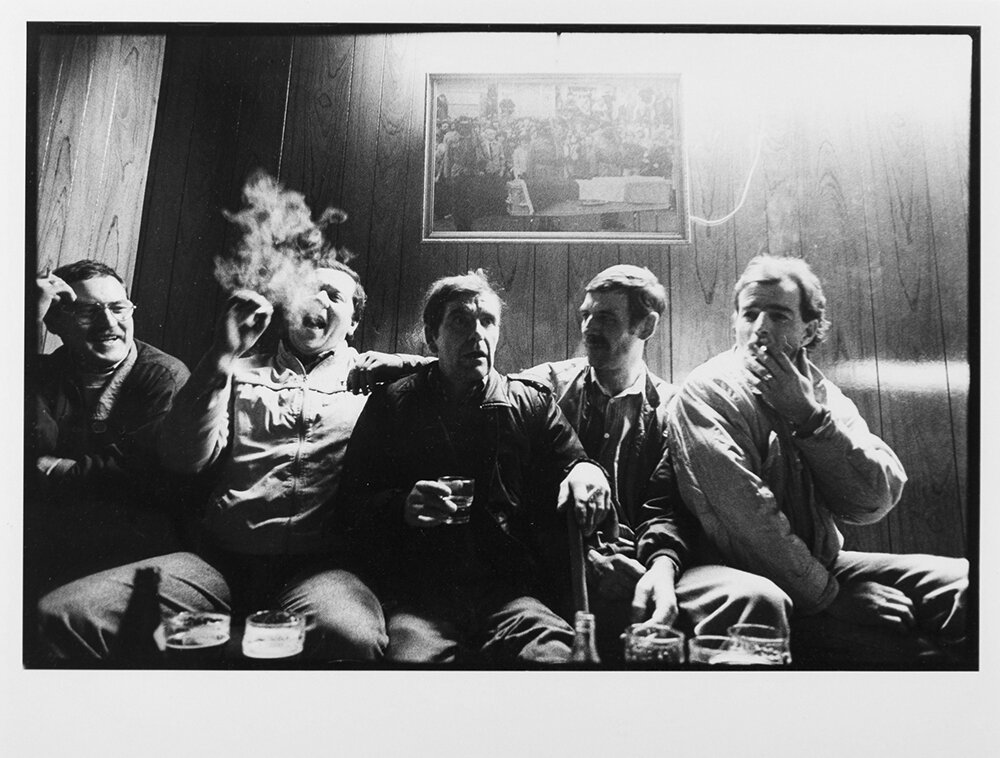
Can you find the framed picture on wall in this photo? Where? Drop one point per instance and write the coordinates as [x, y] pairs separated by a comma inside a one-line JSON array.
[[554, 157]]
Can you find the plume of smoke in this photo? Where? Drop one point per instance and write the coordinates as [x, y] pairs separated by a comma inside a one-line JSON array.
[[280, 245]]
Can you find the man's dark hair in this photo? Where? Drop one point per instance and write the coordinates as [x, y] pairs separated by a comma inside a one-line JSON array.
[[645, 293], [78, 271], [449, 288], [767, 269]]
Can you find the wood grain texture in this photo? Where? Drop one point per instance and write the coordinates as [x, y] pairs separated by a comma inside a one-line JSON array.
[[916, 418], [555, 332], [97, 105]]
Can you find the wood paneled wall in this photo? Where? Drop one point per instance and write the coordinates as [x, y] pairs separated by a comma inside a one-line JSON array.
[[96, 109], [871, 189]]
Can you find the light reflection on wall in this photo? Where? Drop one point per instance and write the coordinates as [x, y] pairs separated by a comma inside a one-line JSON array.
[[916, 377]]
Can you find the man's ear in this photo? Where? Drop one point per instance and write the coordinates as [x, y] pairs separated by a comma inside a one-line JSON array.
[[352, 328], [809, 333], [648, 325]]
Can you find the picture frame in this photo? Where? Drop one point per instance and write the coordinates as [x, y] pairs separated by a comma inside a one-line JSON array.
[[555, 158]]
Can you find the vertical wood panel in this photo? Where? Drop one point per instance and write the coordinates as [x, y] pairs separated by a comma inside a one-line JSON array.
[[916, 417], [554, 333], [358, 188], [398, 124], [702, 276], [318, 105], [97, 98]]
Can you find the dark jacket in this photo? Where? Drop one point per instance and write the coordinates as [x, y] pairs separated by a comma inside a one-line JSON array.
[[653, 519], [511, 437], [111, 507]]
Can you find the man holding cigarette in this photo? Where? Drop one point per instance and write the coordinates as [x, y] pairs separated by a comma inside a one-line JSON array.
[[769, 454], [269, 431], [487, 588]]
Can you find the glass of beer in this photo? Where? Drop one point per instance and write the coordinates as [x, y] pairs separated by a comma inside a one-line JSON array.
[[654, 644], [274, 634], [760, 644], [706, 649], [462, 491], [195, 639]]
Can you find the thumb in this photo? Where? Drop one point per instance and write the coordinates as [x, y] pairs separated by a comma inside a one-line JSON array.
[[563, 496]]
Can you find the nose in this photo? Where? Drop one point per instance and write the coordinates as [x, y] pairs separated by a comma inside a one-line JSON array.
[[104, 317], [762, 325]]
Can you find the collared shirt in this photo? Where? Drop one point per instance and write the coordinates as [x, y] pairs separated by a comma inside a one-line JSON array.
[[278, 434], [612, 425]]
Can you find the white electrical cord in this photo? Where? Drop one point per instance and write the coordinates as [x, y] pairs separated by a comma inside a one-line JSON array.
[[743, 197]]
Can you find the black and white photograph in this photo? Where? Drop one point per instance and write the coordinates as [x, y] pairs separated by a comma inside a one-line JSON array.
[[361, 357], [554, 157]]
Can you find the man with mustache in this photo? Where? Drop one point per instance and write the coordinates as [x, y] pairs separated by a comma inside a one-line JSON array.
[[485, 589], [270, 431], [618, 407], [769, 454], [99, 401]]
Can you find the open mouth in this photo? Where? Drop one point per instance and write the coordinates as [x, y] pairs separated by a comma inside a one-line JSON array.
[[313, 321]]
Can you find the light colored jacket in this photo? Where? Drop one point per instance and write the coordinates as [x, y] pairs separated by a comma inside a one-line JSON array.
[[278, 435], [766, 498]]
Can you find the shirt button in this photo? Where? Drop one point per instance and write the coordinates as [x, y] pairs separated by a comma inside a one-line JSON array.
[[607, 435]]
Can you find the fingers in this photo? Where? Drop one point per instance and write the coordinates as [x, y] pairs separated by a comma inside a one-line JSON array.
[[428, 504], [640, 602]]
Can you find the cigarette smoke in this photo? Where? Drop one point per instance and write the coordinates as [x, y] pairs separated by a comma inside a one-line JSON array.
[[280, 246]]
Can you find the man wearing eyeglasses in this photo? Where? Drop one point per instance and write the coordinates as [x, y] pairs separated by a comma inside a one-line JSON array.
[[99, 400]]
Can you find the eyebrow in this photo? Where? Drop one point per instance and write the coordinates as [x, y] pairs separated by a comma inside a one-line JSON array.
[[768, 307]]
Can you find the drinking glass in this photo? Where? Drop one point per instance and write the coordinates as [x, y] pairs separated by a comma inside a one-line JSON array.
[[462, 490], [760, 644], [654, 643], [274, 634], [709, 649], [195, 638]]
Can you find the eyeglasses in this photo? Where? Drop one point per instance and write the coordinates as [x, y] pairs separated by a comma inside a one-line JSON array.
[[87, 313]]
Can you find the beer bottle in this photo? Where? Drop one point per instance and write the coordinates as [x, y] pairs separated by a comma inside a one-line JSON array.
[[584, 639], [135, 645]]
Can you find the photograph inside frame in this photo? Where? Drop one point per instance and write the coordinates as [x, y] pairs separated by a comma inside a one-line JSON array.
[[555, 156]]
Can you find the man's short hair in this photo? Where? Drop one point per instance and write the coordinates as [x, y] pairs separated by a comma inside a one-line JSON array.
[[645, 293], [78, 271], [767, 269], [449, 288]]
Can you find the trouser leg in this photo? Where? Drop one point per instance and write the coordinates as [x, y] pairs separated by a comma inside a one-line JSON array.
[[420, 634], [347, 616], [525, 630], [937, 585], [712, 598], [79, 621]]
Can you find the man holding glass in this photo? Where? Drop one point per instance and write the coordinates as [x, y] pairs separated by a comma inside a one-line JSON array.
[[485, 589], [769, 454]]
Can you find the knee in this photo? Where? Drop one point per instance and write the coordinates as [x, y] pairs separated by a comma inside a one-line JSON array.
[[352, 639], [66, 606]]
